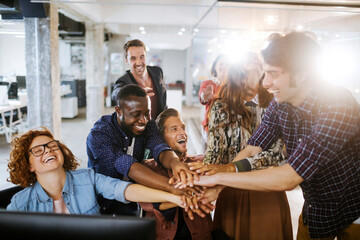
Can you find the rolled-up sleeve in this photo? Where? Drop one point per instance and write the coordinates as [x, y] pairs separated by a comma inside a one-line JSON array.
[[110, 188], [155, 142]]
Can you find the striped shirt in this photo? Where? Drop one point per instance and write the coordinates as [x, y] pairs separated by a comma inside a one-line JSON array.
[[322, 138]]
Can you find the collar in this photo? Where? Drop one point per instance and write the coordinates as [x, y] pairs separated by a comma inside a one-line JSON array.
[[308, 104], [68, 188], [117, 126], [41, 194]]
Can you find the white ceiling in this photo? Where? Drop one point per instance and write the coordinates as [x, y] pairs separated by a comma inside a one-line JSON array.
[[163, 19]]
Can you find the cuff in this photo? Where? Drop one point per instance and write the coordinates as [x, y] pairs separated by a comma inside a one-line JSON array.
[[202, 98], [242, 165], [120, 191], [159, 149]]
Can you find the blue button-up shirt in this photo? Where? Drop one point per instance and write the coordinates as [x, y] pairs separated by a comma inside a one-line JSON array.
[[107, 147], [79, 194], [322, 138]]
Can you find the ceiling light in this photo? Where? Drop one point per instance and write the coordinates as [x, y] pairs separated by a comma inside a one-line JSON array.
[[299, 27], [143, 32], [180, 33], [141, 28], [182, 29], [196, 29], [271, 19]]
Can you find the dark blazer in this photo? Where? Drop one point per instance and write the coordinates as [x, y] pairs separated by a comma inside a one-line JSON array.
[[156, 75]]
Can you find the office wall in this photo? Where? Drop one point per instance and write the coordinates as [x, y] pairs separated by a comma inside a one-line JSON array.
[[12, 55], [64, 55], [172, 62]]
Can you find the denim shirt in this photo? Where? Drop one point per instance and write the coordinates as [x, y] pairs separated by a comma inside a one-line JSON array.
[[79, 193]]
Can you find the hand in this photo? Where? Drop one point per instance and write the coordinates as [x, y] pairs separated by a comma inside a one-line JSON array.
[[208, 93], [193, 207], [179, 201], [211, 194], [208, 181], [182, 174], [200, 209], [206, 207], [149, 91], [210, 169], [178, 191]]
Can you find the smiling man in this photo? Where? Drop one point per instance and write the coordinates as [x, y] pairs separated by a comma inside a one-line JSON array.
[[320, 125], [116, 146], [171, 221], [148, 77]]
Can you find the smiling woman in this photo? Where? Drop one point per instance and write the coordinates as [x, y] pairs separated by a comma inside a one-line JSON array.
[[46, 168]]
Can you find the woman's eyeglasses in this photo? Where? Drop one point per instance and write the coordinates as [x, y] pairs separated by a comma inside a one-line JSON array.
[[39, 150]]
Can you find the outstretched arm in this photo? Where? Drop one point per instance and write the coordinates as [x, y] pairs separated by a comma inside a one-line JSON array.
[[140, 193], [271, 179], [145, 176]]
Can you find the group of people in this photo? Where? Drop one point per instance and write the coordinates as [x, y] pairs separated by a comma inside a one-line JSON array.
[[270, 125]]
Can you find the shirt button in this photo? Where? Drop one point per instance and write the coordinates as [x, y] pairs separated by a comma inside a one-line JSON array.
[[126, 137], [124, 149], [310, 206], [300, 140]]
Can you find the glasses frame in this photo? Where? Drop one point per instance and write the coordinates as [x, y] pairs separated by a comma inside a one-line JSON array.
[[45, 145]]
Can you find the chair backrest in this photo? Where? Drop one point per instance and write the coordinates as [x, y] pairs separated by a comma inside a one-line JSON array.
[[7, 194]]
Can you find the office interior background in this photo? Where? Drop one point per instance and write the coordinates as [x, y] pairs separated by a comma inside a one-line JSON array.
[[62, 57]]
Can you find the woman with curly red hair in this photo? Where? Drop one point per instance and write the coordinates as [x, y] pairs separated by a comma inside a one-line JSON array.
[[45, 167]]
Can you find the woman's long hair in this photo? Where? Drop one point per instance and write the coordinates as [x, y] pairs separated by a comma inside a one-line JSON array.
[[235, 89]]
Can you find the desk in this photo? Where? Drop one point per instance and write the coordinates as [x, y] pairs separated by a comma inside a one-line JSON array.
[[11, 107]]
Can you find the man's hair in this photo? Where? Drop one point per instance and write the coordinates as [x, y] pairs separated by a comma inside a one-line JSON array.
[[295, 52], [133, 43], [130, 90], [163, 116], [213, 66]]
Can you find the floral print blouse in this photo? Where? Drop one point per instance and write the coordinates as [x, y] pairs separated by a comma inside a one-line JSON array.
[[226, 140]]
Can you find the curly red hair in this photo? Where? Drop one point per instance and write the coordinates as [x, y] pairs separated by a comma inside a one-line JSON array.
[[19, 166]]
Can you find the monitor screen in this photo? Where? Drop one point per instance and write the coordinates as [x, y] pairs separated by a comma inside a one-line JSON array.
[[22, 225], [21, 81], [13, 90]]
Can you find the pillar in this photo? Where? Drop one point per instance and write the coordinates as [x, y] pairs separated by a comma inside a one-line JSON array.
[[94, 71], [42, 72], [189, 77]]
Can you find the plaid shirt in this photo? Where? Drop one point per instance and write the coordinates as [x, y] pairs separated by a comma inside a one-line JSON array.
[[322, 138]]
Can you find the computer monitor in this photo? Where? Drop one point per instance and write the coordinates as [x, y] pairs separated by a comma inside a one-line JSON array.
[[13, 90], [22, 225], [21, 81]]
